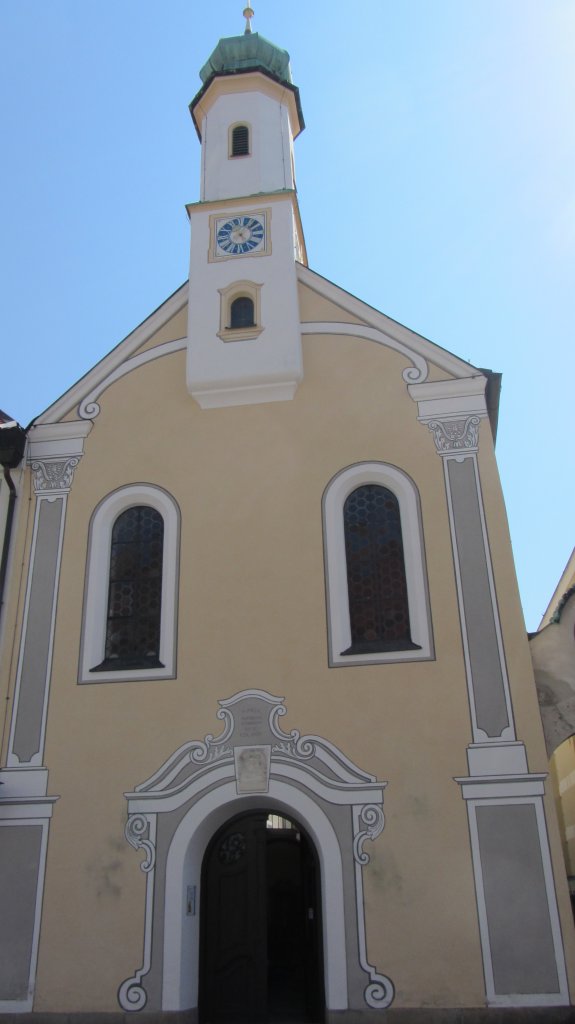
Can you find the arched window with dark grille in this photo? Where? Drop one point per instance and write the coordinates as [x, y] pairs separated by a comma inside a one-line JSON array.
[[242, 312], [134, 591], [376, 579], [240, 140]]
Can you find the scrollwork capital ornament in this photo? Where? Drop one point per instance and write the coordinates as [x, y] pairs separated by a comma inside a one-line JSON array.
[[140, 831], [53, 476], [455, 436], [368, 824], [137, 832]]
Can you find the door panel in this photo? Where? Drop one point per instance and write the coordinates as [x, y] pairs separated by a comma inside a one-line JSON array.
[[261, 953], [234, 916]]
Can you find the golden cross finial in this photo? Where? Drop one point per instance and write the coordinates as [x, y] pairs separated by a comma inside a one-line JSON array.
[[248, 15]]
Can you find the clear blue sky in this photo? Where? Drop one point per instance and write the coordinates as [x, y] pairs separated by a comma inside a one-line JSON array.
[[436, 179]]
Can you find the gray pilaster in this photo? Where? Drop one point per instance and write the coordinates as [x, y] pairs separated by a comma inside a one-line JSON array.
[[23, 842], [53, 453], [519, 926]]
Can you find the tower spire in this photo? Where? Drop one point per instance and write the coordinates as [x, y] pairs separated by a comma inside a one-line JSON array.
[[248, 15]]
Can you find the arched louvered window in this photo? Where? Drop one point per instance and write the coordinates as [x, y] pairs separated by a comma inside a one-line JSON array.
[[134, 591], [376, 580], [240, 140], [242, 312]]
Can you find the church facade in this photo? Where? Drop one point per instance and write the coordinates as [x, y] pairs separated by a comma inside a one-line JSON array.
[[272, 747]]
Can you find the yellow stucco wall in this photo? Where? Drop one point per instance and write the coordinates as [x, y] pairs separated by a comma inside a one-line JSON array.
[[249, 483]]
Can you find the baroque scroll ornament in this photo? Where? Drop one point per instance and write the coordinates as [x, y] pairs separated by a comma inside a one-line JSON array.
[[53, 475], [455, 435]]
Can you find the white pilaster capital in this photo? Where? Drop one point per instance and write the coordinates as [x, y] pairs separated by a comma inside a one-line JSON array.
[[54, 451], [452, 409]]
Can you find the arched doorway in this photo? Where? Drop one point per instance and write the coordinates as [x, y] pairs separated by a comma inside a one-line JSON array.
[[261, 957]]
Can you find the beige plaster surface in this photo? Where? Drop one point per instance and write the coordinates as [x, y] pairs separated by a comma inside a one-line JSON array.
[[249, 482]]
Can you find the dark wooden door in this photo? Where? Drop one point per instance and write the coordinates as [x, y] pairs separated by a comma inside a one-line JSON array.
[[261, 955]]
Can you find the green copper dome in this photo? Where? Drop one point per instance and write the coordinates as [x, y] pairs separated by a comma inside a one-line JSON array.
[[240, 53]]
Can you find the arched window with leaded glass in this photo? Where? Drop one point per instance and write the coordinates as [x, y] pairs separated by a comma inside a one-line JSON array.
[[135, 590], [376, 582], [130, 602]]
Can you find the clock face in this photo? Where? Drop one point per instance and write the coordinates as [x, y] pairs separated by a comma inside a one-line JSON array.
[[240, 235]]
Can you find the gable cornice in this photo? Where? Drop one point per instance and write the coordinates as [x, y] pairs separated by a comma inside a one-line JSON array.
[[96, 379], [390, 332]]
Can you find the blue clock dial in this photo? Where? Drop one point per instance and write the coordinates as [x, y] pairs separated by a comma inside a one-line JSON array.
[[240, 235]]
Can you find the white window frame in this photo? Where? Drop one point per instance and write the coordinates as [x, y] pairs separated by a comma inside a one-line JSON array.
[[95, 613], [238, 290], [337, 600]]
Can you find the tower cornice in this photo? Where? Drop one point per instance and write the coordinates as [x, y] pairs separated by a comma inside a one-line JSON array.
[[226, 82]]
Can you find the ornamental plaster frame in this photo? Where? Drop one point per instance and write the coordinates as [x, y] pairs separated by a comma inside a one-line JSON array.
[[235, 290], [308, 776], [96, 583], [336, 587]]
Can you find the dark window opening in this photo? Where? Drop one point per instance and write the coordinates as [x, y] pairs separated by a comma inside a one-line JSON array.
[[242, 312], [376, 581], [135, 591], [241, 140]]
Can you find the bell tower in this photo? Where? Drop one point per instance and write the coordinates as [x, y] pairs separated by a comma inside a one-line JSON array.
[[244, 341]]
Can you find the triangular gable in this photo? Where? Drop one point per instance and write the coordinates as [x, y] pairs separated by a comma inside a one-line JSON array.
[[357, 318]]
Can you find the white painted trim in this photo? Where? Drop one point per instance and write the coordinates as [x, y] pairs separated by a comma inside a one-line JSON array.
[[497, 758], [12, 760], [450, 398], [409, 340], [418, 371], [26, 810], [25, 1006], [560, 998], [339, 632], [47, 440], [142, 334], [97, 576], [184, 863], [501, 788], [338, 793], [89, 407], [22, 784]]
